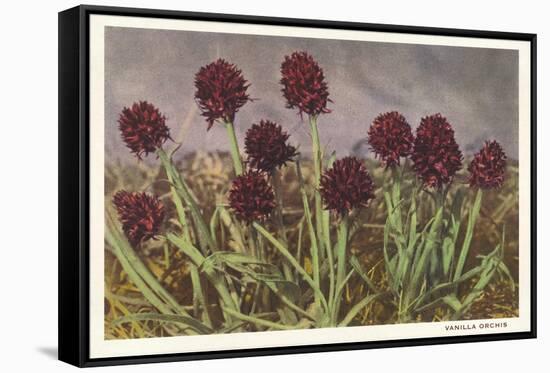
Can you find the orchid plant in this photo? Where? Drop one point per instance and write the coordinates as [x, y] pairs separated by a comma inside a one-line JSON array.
[[258, 277]]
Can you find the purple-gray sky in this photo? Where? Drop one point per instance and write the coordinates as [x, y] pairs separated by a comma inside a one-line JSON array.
[[475, 88]]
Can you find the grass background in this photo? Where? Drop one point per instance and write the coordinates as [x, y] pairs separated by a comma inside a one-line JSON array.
[[209, 175]]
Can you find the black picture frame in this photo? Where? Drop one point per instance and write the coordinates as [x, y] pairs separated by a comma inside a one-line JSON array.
[[74, 190]]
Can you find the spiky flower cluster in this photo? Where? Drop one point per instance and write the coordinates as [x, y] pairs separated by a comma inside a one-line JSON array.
[[266, 146], [221, 91], [304, 85], [487, 169], [251, 197], [143, 128], [390, 138], [346, 185], [436, 155], [141, 215]]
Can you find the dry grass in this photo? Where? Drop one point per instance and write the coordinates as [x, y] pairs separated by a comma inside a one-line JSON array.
[[209, 178]]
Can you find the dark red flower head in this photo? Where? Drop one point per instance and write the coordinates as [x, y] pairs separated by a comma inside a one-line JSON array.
[[390, 137], [251, 197], [266, 146], [221, 91], [488, 166], [436, 155], [143, 128], [304, 85], [141, 215], [347, 185]]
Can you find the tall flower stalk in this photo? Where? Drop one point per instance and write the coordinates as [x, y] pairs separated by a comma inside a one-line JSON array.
[[221, 90], [252, 200], [390, 139], [346, 186], [268, 150], [144, 131], [486, 171], [437, 158], [305, 89]]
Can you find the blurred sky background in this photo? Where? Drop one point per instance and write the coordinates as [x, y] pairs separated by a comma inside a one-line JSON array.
[[475, 88]]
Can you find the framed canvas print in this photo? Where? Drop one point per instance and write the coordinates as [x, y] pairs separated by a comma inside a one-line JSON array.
[[237, 186]]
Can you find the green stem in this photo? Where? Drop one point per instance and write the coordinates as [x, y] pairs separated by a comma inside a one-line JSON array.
[[401, 237], [314, 248], [277, 190], [472, 218], [183, 190], [341, 260], [198, 295], [317, 159], [436, 267], [253, 244], [396, 197], [179, 207], [235, 154]]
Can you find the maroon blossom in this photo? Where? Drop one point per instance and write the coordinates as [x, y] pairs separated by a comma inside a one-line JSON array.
[[436, 155], [143, 128], [390, 137], [304, 85], [346, 185], [251, 197], [266, 146], [221, 91], [488, 167], [141, 215]]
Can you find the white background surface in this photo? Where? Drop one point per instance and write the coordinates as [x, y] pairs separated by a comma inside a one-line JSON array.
[[28, 186]]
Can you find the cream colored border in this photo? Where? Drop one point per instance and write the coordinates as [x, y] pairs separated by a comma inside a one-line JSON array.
[[102, 348]]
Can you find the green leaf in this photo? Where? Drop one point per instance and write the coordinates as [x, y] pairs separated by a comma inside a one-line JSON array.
[[258, 321], [489, 265], [453, 302], [214, 277], [284, 251], [187, 322], [420, 268], [448, 253], [472, 218], [135, 268], [187, 195], [354, 262], [419, 305], [358, 307], [314, 240]]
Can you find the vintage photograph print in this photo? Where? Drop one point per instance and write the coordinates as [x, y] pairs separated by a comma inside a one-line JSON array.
[[257, 186]]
